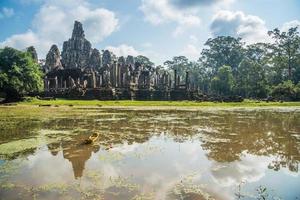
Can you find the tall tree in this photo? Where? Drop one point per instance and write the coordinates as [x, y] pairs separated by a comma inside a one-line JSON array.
[[222, 83], [259, 52], [31, 50], [223, 50], [286, 50], [178, 63], [199, 76], [251, 80], [19, 73], [145, 61]]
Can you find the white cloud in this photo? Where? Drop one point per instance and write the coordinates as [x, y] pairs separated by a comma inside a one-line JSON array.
[[286, 26], [250, 169], [54, 22], [98, 23], [123, 50], [194, 3], [160, 12], [24, 39], [185, 13], [29, 38], [237, 24], [6, 12], [126, 148], [146, 50], [193, 38], [191, 52]]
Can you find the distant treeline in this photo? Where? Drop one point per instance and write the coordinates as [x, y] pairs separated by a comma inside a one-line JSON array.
[[226, 66]]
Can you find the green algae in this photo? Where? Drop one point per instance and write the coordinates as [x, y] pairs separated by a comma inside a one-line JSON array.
[[70, 122], [121, 182], [10, 167], [144, 196], [188, 189], [111, 157], [9, 149], [17, 147], [58, 187], [8, 186]]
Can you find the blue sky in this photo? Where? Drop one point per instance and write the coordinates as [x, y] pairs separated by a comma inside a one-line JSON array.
[[159, 29]]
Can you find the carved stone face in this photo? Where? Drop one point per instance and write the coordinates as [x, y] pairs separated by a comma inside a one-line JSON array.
[[106, 58], [95, 59], [130, 60], [77, 50], [53, 58]]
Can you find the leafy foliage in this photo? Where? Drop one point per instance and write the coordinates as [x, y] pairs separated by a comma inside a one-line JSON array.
[[143, 60], [31, 50], [222, 83], [223, 50], [19, 73], [286, 91], [227, 66], [286, 51]]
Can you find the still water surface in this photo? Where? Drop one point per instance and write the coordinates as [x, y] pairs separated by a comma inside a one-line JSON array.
[[149, 154]]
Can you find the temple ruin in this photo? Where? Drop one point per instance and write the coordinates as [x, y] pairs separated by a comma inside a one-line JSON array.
[[80, 71]]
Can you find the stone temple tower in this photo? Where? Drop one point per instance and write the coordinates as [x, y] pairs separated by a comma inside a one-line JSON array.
[[77, 50]]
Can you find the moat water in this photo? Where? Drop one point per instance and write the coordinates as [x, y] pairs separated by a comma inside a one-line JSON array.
[[209, 153]]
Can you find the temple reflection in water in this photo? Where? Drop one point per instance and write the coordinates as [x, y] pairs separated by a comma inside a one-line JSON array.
[[225, 136]]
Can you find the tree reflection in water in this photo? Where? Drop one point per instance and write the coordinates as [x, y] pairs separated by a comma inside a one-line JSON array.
[[226, 138]]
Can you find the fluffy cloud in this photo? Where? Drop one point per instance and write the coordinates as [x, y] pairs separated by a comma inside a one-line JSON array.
[[6, 12], [163, 11], [192, 3], [145, 49], [251, 28], [191, 52], [286, 26], [185, 13], [193, 38], [123, 50], [54, 22], [249, 169], [98, 23], [23, 40]]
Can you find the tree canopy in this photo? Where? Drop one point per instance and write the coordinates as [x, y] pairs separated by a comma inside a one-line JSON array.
[[227, 66], [19, 73]]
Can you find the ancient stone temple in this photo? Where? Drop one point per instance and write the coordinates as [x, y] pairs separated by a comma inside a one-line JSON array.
[[81, 71]]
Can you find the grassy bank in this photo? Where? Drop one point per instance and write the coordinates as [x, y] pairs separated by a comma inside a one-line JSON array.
[[64, 102]]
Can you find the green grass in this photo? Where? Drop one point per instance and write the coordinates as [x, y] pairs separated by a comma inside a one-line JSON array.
[[64, 102]]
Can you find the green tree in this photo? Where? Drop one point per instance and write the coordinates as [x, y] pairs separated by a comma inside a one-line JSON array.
[[143, 60], [199, 76], [31, 50], [286, 52], [259, 52], [19, 73], [179, 63], [223, 50], [251, 80], [285, 91], [222, 83]]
